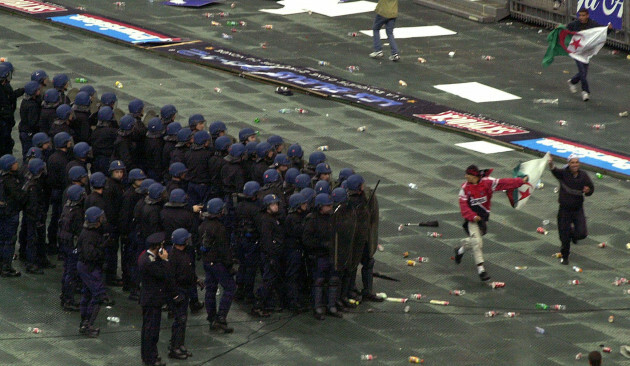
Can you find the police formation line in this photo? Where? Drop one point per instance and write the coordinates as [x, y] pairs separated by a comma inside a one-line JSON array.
[[161, 196]]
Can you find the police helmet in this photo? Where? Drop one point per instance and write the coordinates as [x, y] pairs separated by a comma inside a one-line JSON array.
[[168, 111], [61, 139], [81, 150], [108, 99], [136, 174], [345, 173], [39, 139], [309, 193], [39, 76], [34, 152], [173, 128], [251, 188], [302, 181], [116, 165], [97, 180], [222, 143], [63, 112], [36, 166], [316, 158], [237, 150], [183, 135], [269, 199], [156, 190], [136, 106], [180, 236], [281, 159], [51, 96], [275, 140], [155, 125], [75, 192], [105, 114], [126, 122], [195, 119], [201, 137], [323, 199], [217, 127], [270, 176], [60, 80], [31, 88], [88, 89], [296, 200], [177, 169], [290, 175], [250, 148], [177, 195], [215, 206], [354, 182], [339, 195], [262, 149], [93, 214], [83, 99], [76, 173], [295, 151], [322, 168], [244, 134], [322, 186], [144, 186], [6, 162]]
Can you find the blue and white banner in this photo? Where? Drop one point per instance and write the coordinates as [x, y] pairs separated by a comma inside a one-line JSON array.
[[588, 155], [604, 11], [113, 29]]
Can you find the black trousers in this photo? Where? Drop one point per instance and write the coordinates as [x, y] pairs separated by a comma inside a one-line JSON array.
[[151, 319], [571, 227]]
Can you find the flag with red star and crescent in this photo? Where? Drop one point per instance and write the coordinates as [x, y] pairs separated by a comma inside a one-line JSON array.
[[534, 169], [580, 45]]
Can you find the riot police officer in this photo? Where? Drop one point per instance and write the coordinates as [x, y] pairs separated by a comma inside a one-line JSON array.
[[294, 249], [70, 226], [248, 252], [11, 201]]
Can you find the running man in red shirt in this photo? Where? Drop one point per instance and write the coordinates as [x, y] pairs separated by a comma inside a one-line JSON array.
[[474, 203]]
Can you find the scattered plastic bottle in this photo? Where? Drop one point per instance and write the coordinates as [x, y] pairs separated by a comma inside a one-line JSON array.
[[224, 14], [80, 80], [520, 267], [405, 254], [323, 148], [382, 295], [397, 299], [118, 84], [558, 307], [215, 24], [607, 349], [352, 68], [226, 36], [234, 30], [451, 54], [541, 230], [623, 114], [256, 120], [545, 222], [414, 359], [577, 269], [34, 330], [601, 245], [574, 282], [540, 185], [556, 190], [264, 45], [542, 306], [611, 319], [416, 296], [598, 126], [457, 292], [626, 292], [557, 255], [562, 122], [352, 34], [546, 101], [361, 129], [620, 281], [233, 5], [487, 57], [353, 301], [411, 263], [578, 356], [367, 357], [119, 3], [323, 63], [301, 110], [407, 308], [421, 60], [113, 319], [82, 8], [510, 314], [402, 83], [490, 314], [242, 23], [380, 248], [422, 259], [267, 26], [285, 110], [599, 175], [400, 228], [208, 15], [231, 23], [439, 302], [434, 234], [218, 90], [412, 186], [497, 284], [540, 330]]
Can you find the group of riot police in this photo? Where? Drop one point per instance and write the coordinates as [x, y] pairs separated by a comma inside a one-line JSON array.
[[159, 196]]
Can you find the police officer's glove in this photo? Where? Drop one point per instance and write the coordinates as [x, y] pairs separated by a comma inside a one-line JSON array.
[[201, 284]]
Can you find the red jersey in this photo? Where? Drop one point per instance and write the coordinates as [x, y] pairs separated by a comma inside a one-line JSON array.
[[474, 199]]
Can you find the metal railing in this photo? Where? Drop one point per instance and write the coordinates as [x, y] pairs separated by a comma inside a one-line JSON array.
[[541, 12]]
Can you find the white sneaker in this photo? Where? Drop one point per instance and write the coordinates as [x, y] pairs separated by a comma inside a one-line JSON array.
[[585, 96], [395, 57], [376, 54], [572, 87]]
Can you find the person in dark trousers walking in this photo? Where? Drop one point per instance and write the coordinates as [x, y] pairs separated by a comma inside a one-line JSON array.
[[574, 185], [158, 287], [583, 22], [386, 14]]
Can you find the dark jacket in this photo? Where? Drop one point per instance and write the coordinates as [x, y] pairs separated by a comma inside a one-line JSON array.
[[215, 246], [57, 178], [61, 126], [113, 194], [183, 269], [198, 163], [319, 234], [129, 200], [175, 216], [570, 196], [14, 196], [247, 216], [153, 155], [29, 115], [232, 175], [47, 115], [272, 236], [71, 222], [125, 151], [157, 280], [8, 100], [91, 246], [294, 228], [150, 220], [35, 206], [102, 140], [167, 149], [84, 119]]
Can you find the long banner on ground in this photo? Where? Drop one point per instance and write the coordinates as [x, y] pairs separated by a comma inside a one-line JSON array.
[[315, 81]]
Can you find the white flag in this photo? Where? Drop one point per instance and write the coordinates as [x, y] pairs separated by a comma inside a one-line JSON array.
[[585, 44]]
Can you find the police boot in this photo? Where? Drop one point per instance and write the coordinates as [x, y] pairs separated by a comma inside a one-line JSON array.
[[93, 332], [239, 295], [196, 306], [177, 354], [186, 351], [69, 306], [83, 327], [332, 301], [8, 271], [34, 269], [318, 300], [220, 324]]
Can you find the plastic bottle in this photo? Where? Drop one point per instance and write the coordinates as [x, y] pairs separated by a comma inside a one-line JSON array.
[[231, 23], [556, 189], [208, 15], [541, 230], [234, 30], [34, 330], [561, 122], [510, 314], [490, 314], [226, 36], [215, 24], [574, 282], [520, 267], [421, 60], [546, 101], [118, 84], [400, 228], [119, 3], [439, 302], [497, 284], [626, 292], [397, 299], [487, 57], [598, 126], [623, 114], [352, 34], [285, 111], [323, 148], [218, 90], [352, 68], [434, 234], [577, 269], [557, 255], [412, 186], [242, 23], [558, 307], [301, 110], [599, 175], [267, 26], [414, 359], [113, 319], [457, 292], [540, 185], [367, 357], [611, 318], [422, 259], [607, 349], [578, 356], [223, 14], [402, 83], [416, 296], [361, 129], [540, 330], [411, 263], [601, 245], [542, 306], [382, 295], [81, 80], [323, 63], [545, 222]]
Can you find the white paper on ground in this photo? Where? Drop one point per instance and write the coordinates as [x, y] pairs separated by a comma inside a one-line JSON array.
[[477, 92], [484, 147], [330, 8], [415, 32]]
